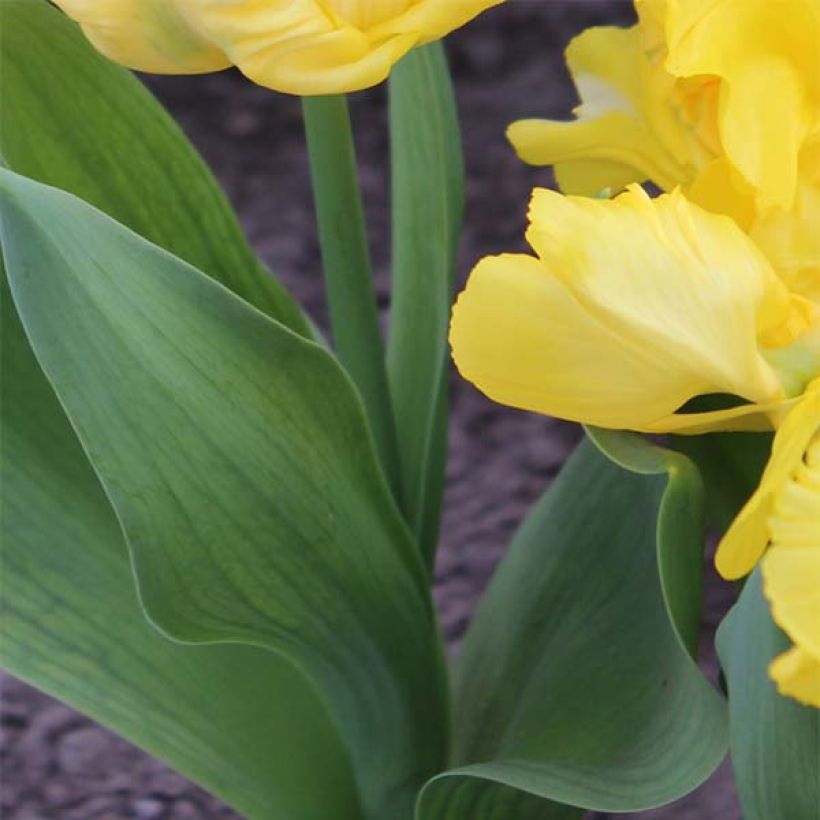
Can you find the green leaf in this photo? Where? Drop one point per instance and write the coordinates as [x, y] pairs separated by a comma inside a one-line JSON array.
[[775, 742], [72, 119], [680, 531], [428, 192], [354, 316], [238, 461], [239, 720], [573, 685], [486, 797], [731, 465]]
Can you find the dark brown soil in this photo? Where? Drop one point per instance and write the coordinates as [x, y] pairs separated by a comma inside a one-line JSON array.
[[57, 765]]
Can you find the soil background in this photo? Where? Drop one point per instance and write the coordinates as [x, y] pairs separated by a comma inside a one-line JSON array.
[[57, 764]]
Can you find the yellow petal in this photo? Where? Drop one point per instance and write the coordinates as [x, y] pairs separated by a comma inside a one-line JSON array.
[[586, 177], [146, 35], [797, 675], [653, 11], [382, 18], [292, 47], [790, 237], [610, 143], [323, 46], [608, 151], [761, 50], [520, 336], [364, 14], [791, 567], [750, 532], [432, 19], [791, 241], [792, 585], [633, 307], [295, 46], [720, 189], [669, 275]]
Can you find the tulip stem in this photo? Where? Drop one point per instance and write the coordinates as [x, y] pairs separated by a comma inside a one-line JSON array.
[[354, 314]]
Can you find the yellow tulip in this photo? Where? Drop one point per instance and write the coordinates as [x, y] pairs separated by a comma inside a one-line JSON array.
[[636, 122], [782, 520], [758, 50], [146, 35], [676, 100], [789, 238], [630, 308], [305, 47]]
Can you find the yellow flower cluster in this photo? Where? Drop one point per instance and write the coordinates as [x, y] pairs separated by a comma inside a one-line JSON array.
[[632, 306], [305, 47], [720, 98]]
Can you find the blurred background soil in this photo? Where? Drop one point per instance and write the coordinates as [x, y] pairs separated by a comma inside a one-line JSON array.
[[58, 765]]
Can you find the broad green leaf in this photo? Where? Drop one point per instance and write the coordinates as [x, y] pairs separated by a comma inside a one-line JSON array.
[[239, 720], [72, 119], [680, 530], [237, 458], [428, 192], [573, 684], [774, 741], [486, 796]]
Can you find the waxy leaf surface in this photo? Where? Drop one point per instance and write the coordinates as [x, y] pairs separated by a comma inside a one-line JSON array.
[[574, 686], [731, 465], [351, 300], [427, 188], [239, 720], [774, 740], [237, 458], [72, 119]]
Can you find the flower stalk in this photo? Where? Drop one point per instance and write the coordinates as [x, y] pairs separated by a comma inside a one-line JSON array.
[[347, 268]]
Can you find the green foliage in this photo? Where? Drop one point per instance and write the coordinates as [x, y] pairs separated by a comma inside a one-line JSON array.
[[573, 684], [731, 465], [428, 190], [237, 459], [235, 718], [679, 533], [72, 119], [346, 261], [775, 741]]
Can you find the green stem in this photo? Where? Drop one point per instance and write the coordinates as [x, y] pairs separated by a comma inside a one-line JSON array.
[[354, 315]]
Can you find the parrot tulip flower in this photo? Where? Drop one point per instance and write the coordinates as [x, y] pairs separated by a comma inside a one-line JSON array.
[[630, 308], [635, 122], [754, 49], [788, 237], [662, 99], [308, 47], [675, 100]]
